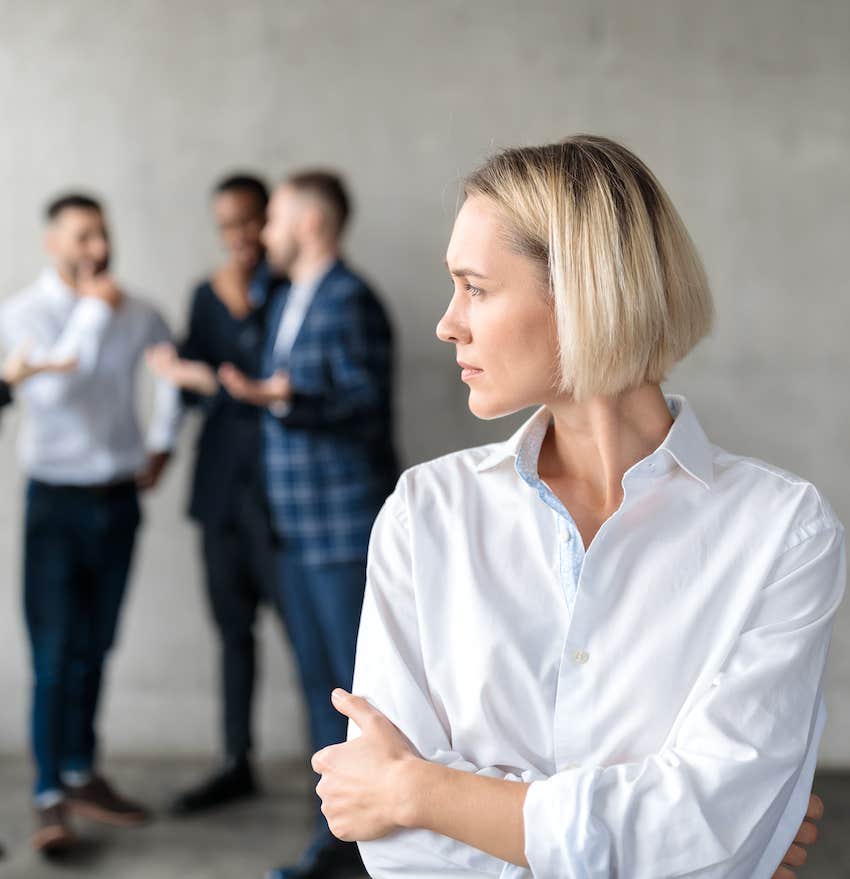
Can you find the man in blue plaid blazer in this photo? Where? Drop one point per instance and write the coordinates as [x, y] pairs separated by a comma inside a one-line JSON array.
[[329, 455]]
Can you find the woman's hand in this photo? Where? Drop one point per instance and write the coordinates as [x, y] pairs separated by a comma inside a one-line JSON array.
[[806, 835], [362, 784], [190, 375]]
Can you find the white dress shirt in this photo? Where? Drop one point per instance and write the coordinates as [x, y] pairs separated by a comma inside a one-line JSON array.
[[298, 301], [80, 427], [661, 689]]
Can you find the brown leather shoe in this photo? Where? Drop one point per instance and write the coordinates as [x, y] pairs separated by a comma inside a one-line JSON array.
[[97, 801], [52, 833]]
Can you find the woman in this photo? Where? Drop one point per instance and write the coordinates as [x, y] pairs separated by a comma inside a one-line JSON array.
[[614, 628], [227, 325]]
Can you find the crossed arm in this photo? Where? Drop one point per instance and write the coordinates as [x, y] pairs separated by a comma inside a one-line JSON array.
[[584, 820], [376, 784]]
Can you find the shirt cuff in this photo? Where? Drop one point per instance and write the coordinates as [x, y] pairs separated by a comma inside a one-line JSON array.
[[559, 838], [280, 409]]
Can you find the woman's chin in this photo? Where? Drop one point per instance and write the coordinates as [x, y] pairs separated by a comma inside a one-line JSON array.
[[487, 408]]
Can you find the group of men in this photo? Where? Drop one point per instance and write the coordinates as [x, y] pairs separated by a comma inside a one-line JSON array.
[[288, 358]]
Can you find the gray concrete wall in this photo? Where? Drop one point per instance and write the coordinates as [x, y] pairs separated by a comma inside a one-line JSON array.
[[740, 107]]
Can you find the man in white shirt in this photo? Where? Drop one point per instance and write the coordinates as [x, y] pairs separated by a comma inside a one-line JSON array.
[[83, 452]]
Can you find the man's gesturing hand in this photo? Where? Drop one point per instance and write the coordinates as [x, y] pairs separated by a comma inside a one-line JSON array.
[[259, 392], [17, 367]]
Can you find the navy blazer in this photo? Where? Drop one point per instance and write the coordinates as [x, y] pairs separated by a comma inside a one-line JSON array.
[[330, 460]]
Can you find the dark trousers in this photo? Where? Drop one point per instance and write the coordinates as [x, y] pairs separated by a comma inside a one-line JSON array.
[[78, 545], [239, 565], [321, 610]]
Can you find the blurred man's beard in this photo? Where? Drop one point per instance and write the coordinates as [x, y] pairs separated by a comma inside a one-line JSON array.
[[95, 268], [282, 260]]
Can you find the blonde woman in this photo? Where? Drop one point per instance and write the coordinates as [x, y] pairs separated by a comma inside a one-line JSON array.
[[596, 649]]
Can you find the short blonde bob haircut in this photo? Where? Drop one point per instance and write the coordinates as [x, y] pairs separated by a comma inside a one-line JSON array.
[[630, 294]]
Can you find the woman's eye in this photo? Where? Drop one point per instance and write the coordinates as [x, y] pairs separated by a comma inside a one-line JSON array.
[[473, 291]]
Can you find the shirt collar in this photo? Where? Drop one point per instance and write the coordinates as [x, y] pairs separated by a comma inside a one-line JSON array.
[[51, 281], [685, 444], [309, 286]]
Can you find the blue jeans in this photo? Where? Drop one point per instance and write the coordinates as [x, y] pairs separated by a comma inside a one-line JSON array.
[[78, 545], [321, 607]]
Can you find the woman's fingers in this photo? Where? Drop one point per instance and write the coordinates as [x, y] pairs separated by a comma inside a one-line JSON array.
[[807, 834], [815, 810], [795, 856]]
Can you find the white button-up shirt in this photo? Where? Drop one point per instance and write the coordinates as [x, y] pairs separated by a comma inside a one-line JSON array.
[[298, 301], [661, 689], [80, 427]]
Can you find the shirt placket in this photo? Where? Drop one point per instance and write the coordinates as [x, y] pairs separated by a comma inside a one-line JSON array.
[[579, 682], [571, 733]]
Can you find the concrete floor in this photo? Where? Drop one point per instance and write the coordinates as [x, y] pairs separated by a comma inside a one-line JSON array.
[[240, 842], [243, 841]]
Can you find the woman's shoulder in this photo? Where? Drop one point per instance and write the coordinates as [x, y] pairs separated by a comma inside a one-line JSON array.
[[774, 493], [444, 481], [203, 291]]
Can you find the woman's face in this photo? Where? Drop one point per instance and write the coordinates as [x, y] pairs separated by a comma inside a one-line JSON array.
[[500, 318]]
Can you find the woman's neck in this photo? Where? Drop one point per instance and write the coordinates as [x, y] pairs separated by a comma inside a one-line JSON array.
[[594, 442], [231, 283]]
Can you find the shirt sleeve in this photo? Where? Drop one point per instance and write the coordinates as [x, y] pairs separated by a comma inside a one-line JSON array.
[[167, 413], [360, 364], [710, 804], [390, 674], [81, 339], [194, 347]]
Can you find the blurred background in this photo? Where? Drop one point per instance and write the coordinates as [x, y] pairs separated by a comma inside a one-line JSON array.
[[740, 108]]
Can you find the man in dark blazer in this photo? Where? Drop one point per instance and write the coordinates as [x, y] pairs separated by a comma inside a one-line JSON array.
[[329, 454]]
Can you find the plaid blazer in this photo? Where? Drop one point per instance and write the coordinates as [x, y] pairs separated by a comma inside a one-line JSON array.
[[330, 460]]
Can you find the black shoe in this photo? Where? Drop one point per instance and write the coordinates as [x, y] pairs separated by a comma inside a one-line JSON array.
[[225, 786], [339, 860]]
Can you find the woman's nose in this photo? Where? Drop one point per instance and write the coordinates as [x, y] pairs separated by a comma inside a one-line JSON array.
[[452, 327]]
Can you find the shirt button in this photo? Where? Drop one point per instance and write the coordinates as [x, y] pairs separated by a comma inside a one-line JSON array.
[[565, 536], [580, 657]]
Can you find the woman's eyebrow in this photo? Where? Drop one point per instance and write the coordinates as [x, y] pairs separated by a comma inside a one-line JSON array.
[[459, 272]]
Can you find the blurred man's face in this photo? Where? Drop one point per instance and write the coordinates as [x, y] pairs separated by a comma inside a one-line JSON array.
[[281, 232], [78, 241], [240, 216]]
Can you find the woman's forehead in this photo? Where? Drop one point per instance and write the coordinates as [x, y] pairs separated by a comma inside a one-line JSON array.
[[475, 235]]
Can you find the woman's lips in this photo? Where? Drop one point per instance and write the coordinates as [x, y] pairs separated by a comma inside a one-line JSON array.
[[469, 372]]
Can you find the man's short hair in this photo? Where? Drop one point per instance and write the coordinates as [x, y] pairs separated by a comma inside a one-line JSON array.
[[69, 200], [329, 189], [249, 183]]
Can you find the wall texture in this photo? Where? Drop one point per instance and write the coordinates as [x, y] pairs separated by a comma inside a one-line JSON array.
[[740, 108]]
